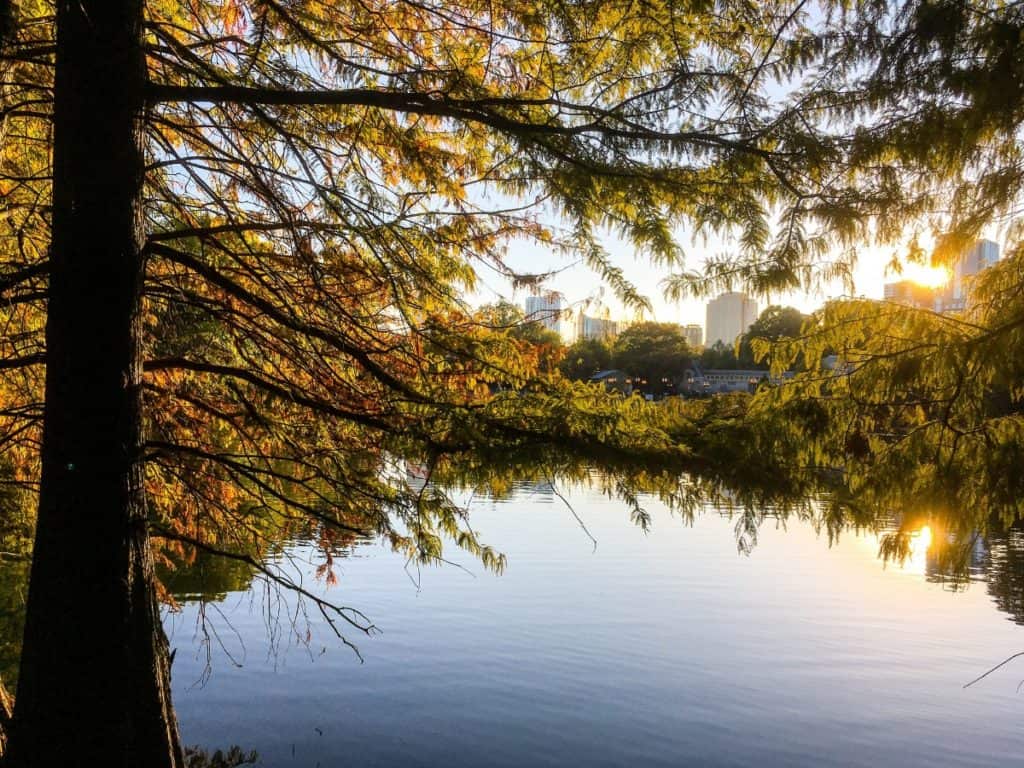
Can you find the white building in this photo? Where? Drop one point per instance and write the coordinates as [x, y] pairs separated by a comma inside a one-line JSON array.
[[603, 328], [694, 335], [729, 316], [552, 311]]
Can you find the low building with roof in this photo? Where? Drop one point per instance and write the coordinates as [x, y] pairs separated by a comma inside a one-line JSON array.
[[614, 379]]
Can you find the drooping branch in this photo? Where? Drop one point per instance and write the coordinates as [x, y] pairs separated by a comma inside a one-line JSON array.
[[240, 228], [24, 361], [13, 279], [286, 319], [330, 611], [271, 388], [600, 122], [261, 477]]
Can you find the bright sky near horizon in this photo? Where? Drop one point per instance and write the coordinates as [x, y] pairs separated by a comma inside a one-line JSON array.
[[578, 282]]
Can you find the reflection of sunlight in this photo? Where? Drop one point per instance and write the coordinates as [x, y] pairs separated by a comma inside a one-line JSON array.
[[920, 543]]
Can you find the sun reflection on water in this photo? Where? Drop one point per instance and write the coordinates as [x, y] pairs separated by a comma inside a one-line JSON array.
[[920, 543], [913, 560]]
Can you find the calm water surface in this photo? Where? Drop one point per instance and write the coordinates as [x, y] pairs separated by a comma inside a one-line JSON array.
[[665, 649]]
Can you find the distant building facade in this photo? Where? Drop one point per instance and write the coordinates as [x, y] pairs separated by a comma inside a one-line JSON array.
[[550, 310], [613, 379], [953, 296], [694, 335], [910, 293], [982, 255], [602, 328], [715, 381], [729, 316]]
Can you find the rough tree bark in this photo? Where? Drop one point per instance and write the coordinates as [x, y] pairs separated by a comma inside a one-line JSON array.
[[94, 681], [6, 711]]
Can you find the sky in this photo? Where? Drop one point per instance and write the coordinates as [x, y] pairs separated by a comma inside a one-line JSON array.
[[578, 282]]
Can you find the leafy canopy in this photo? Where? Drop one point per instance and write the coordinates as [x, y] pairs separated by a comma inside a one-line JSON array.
[[325, 181], [584, 358]]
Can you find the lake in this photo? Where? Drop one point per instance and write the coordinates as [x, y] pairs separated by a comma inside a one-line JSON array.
[[662, 649]]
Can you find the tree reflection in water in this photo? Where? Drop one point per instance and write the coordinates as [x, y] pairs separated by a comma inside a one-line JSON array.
[[958, 551], [947, 555], [1002, 567]]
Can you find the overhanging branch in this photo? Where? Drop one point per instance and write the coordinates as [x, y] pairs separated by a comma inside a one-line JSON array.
[[601, 122]]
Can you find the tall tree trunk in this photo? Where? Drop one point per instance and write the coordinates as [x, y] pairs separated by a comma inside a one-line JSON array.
[[6, 711], [94, 686]]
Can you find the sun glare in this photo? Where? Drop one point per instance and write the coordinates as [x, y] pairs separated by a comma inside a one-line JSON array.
[[924, 538], [920, 543], [922, 274]]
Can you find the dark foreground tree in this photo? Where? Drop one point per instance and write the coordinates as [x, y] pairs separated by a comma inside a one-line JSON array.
[[92, 474], [776, 323], [236, 234], [241, 269]]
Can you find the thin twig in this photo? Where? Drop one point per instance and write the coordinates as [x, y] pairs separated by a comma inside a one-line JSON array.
[[997, 666], [554, 489]]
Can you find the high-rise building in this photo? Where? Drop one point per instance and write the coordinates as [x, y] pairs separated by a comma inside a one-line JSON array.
[[603, 328], [694, 335], [982, 255], [551, 310], [911, 293], [728, 316]]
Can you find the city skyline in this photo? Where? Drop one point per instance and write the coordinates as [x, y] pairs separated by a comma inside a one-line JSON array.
[[692, 312], [577, 281]]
